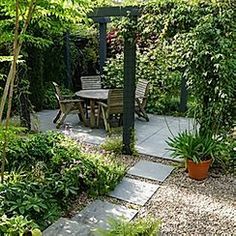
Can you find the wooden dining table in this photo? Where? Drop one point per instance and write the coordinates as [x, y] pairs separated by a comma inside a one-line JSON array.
[[93, 96]]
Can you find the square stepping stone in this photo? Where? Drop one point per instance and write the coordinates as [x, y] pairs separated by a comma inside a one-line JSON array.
[[98, 213], [151, 170], [65, 227], [134, 191]]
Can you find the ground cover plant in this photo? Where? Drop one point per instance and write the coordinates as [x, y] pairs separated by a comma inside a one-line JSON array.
[[148, 226], [45, 171], [114, 142]]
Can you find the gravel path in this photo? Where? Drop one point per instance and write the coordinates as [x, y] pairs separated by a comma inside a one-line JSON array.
[[188, 207]]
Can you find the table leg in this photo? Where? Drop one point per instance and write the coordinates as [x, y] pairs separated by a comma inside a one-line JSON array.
[[92, 115]]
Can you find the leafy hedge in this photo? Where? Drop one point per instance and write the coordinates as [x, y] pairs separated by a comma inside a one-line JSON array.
[[189, 40], [46, 170]]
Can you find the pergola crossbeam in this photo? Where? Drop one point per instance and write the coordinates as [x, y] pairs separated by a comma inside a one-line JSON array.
[[115, 11]]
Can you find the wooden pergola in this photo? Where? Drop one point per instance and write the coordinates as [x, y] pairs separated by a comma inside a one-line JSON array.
[[101, 15]]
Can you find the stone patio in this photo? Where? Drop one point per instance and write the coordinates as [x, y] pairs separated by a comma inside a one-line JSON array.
[[151, 136]]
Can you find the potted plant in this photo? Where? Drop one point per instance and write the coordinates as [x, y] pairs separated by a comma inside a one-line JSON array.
[[197, 151]]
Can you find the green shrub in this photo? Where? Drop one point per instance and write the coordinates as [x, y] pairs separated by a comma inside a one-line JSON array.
[[14, 226], [225, 154], [53, 169], [30, 198], [26, 151], [145, 227], [105, 174], [163, 87]]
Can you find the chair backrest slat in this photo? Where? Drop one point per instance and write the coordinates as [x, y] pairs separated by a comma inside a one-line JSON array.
[[142, 88], [115, 101], [91, 82]]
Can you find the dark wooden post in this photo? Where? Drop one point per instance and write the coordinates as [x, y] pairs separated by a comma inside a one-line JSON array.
[[102, 41], [129, 88], [183, 96], [102, 45], [68, 81]]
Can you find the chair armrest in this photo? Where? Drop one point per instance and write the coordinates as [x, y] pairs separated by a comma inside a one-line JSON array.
[[71, 101], [69, 96], [102, 104], [140, 97]]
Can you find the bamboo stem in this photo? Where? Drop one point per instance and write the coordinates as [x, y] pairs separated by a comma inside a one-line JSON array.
[[16, 51], [8, 91]]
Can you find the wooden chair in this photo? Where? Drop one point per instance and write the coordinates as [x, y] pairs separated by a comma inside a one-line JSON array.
[[91, 82], [141, 95], [114, 106], [67, 105]]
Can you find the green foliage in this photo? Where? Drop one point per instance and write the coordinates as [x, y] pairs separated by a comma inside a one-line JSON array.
[[14, 226], [12, 132], [49, 99], [186, 39], [50, 16], [145, 227], [113, 144], [48, 169], [198, 147], [192, 146], [43, 42], [29, 197], [225, 154], [209, 64]]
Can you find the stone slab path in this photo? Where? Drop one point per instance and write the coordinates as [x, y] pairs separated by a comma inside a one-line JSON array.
[[98, 213], [151, 170], [65, 227], [151, 136], [134, 191]]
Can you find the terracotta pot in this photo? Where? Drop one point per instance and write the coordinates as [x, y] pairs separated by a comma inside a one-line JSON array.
[[198, 171]]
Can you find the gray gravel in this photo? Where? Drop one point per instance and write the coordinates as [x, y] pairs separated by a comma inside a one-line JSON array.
[[189, 207]]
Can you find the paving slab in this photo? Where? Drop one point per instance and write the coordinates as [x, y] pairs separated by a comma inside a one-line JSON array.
[[151, 170], [65, 227], [156, 146], [134, 191], [98, 213]]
